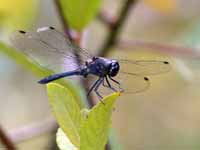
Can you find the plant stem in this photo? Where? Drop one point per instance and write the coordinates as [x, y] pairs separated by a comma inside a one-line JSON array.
[[6, 141], [106, 19], [67, 29], [115, 29], [63, 20]]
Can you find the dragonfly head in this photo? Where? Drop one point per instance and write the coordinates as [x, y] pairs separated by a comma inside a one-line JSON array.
[[113, 68]]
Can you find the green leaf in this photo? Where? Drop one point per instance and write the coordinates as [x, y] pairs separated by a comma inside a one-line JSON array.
[[63, 141], [79, 12], [85, 129], [95, 127], [66, 111]]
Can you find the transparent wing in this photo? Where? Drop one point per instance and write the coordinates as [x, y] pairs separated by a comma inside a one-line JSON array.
[[128, 83], [132, 74], [49, 47], [58, 40], [144, 67]]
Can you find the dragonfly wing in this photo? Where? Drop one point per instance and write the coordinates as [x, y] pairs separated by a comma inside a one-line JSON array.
[[57, 39], [128, 83], [48, 47], [144, 67], [132, 74]]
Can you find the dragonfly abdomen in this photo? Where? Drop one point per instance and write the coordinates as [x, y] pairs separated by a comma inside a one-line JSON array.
[[58, 76]]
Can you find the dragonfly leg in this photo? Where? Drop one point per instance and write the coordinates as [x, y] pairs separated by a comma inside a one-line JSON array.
[[93, 86], [109, 85], [121, 89], [114, 80], [103, 83], [97, 87]]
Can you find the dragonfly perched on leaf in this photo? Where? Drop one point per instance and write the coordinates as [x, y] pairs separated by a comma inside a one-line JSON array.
[[50, 47]]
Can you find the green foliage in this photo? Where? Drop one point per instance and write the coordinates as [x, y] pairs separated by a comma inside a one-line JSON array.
[[66, 110], [86, 129], [79, 12], [95, 127]]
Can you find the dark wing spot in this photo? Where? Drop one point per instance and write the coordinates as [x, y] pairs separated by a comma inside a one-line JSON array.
[[21, 31], [166, 62], [52, 28], [146, 79]]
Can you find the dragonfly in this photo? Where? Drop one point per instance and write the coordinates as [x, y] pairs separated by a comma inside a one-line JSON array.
[[50, 47]]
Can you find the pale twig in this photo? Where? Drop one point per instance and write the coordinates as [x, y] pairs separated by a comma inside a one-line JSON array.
[[160, 47], [32, 130], [107, 19]]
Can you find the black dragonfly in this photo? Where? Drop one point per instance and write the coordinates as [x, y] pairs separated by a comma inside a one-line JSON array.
[[51, 47]]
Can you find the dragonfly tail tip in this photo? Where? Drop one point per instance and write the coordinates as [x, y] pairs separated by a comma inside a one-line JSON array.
[[41, 82]]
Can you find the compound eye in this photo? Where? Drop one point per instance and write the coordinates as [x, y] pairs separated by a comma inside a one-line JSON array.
[[113, 69], [114, 65]]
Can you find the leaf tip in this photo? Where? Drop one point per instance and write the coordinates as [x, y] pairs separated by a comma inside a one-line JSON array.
[[116, 94]]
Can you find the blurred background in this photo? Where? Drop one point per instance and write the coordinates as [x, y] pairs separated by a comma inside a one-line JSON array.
[[165, 117]]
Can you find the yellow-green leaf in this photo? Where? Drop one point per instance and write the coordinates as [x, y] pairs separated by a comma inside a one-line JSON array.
[[66, 110], [63, 141], [95, 127], [79, 12]]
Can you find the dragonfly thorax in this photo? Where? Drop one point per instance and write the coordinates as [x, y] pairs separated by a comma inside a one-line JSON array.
[[103, 67]]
